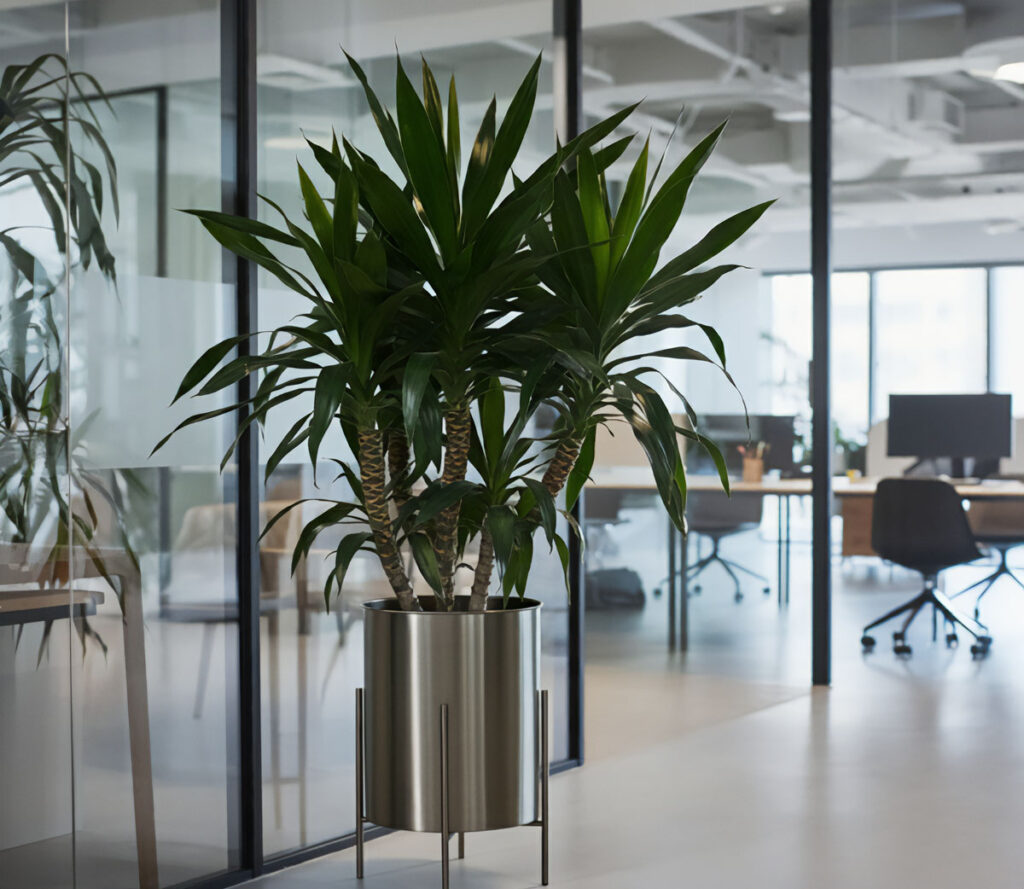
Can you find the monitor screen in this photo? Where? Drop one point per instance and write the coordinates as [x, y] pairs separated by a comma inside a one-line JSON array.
[[950, 425], [729, 432]]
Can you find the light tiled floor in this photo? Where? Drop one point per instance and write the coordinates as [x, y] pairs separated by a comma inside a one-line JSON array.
[[721, 769]]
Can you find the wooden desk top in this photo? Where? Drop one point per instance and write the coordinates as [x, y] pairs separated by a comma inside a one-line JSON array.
[[639, 478]]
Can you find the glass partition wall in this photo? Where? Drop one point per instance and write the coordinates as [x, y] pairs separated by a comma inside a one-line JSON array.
[[739, 604], [124, 755], [927, 160]]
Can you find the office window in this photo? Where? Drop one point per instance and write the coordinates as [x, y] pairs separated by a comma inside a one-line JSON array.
[[790, 338], [1007, 324], [930, 333]]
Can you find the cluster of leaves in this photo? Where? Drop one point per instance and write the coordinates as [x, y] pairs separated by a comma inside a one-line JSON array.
[[46, 111], [438, 299]]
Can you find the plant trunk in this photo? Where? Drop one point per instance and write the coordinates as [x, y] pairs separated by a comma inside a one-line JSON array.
[[371, 468], [398, 467], [458, 429], [561, 465], [482, 574]]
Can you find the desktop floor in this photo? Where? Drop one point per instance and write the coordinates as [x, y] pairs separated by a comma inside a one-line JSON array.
[[719, 768]]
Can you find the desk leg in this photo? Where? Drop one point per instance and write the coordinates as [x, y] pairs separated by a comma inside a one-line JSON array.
[[684, 594], [673, 585], [780, 557], [788, 544], [138, 732]]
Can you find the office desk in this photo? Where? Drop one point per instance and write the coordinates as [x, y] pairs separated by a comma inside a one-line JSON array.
[[639, 478], [20, 566]]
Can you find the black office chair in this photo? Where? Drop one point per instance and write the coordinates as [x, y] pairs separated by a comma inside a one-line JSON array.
[[998, 527], [716, 516], [921, 524]]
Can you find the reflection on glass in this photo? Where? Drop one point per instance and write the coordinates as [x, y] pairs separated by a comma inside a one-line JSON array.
[[156, 743], [312, 657]]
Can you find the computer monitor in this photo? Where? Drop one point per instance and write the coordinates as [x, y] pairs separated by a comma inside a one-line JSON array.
[[729, 432], [954, 426]]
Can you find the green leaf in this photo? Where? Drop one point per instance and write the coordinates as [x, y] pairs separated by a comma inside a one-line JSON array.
[[492, 420], [348, 547], [454, 144], [580, 471], [330, 387], [428, 166], [546, 505], [714, 242], [594, 219], [479, 157], [426, 561], [415, 381], [384, 122], [570, 233], [628, 213], [207, 362], [478, 202]]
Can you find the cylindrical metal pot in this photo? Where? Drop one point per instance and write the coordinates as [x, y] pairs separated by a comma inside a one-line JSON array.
[[486, 667]]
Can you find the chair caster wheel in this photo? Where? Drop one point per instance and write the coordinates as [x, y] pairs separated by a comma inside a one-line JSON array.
[[979, 649], [952, 641], [696, 590], [737, 597], [867, 642], [656, 592], [902, 650], [985, 640], [898, 636], [767, 590]]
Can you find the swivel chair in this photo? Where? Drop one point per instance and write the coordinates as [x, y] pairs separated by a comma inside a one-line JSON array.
[[716, 516], [921, 524], [999, 527]]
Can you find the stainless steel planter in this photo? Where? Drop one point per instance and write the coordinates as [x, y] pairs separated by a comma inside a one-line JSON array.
[[485, 666]]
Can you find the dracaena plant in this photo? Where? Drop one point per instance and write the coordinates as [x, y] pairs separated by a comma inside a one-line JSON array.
[[601, 271], [428, 307], [47, 115]]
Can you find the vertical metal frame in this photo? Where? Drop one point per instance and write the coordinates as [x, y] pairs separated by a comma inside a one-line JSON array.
[[567, 33], [821, 271], [990, 331], [238, 196]]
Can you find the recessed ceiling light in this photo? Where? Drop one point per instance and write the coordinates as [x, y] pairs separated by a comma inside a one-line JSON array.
[[777, 8], [1013, 71]]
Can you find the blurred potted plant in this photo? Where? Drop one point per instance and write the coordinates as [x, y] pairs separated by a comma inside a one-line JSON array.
[[445, 309], [46, 116]]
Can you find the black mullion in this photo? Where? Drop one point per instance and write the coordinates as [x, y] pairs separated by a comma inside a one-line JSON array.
[[568, 45], [238, 135], [821, 270]]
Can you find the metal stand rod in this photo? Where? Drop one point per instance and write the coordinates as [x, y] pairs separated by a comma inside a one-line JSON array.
[[544, 775], [359, 783], [445, 834], [462, 845]]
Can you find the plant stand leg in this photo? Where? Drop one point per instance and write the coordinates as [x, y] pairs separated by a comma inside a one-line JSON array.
[[359, 783], [445, 834], [544, 775], [462, 845]]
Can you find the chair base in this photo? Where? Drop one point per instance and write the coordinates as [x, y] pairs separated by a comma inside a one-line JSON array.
[[731, 567], [941, 605], [987, 582]]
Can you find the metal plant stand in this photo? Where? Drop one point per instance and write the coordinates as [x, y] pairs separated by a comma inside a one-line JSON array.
[[446, 834]]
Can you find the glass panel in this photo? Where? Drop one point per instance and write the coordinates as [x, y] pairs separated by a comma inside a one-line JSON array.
[[37, 643], [931, 330], [927, 162], [1007, 322], [747, 66], [791, 357], [312, 659], [156, 713]]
